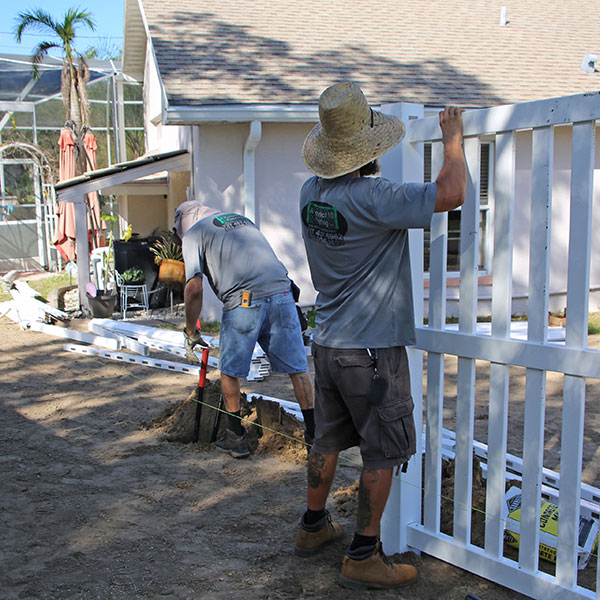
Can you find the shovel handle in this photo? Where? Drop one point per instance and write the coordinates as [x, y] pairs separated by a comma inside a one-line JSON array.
[[203, 368], [200, 389]]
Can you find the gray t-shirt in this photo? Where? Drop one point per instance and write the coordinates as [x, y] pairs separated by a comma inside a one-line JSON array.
[[356, 239], [235, 256]]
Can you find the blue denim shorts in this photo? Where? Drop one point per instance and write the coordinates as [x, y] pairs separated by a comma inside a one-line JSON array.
[[273, 323]]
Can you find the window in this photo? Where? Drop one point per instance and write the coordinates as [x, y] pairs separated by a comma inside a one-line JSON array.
[[453, 260]]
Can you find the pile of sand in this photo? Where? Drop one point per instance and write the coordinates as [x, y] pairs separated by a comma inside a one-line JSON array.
[[270, 429]]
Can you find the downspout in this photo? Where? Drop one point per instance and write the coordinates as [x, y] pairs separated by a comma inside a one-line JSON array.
[[250, 171]]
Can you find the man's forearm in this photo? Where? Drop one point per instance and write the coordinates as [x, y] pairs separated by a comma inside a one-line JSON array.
[[192, 296], [452, 178]]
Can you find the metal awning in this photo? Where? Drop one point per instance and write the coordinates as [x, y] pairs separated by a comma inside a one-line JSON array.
[[74, 190]]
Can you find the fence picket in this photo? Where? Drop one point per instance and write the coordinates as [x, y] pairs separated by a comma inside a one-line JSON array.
[[501, 311], [537, 331], [536, 353], [582, 161], [435, 361], [465, 402]]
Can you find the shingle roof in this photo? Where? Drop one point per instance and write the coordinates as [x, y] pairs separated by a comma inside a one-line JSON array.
[[432, 52]]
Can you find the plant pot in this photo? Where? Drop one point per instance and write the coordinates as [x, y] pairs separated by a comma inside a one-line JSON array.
[[171, 271], [103, 305]]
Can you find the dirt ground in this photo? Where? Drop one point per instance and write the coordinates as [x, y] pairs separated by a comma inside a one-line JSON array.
[[98, 502]]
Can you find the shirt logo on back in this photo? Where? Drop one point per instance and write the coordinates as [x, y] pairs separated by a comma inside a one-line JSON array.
[[231, 221], [324, 223]]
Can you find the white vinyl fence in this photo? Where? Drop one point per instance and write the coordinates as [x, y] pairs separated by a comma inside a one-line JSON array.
[[405, 525]]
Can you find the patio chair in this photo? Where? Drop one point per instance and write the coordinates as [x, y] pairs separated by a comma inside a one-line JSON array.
[[132, 295]]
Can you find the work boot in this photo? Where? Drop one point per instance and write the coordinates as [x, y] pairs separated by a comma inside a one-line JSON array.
[[312, 538], [375, 572], [234, 444]]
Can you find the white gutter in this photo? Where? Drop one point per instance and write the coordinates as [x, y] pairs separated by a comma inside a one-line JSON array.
[[250, 170], [240, 113]]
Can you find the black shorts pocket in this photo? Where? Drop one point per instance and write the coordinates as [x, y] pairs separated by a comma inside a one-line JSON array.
[[353, 372], [397, 429], [354, 360]]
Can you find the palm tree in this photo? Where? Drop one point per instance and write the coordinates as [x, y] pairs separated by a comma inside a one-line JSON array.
[[75, 72]]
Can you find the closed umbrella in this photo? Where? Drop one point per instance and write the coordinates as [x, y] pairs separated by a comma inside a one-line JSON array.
[[95, 224], [64, 237]]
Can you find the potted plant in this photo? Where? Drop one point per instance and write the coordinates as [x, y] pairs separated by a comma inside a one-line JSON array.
[[169, 258], [133, 276]]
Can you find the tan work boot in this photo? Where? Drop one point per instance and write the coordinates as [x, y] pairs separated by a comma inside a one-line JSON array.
[[309, 543], [375, 572]]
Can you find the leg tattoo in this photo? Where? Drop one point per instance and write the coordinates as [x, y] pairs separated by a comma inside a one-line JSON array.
[[316, 469], [368, 478]]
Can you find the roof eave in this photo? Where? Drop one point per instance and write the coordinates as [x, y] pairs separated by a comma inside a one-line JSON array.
[[135, 39]]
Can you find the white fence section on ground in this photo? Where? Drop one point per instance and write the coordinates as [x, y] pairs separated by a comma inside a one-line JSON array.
[[403, 525]]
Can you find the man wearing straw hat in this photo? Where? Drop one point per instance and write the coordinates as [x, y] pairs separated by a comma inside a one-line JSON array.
[[355, 231]]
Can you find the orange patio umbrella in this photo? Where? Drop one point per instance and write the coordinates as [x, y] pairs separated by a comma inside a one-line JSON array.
[[95, 224], [64, 236]]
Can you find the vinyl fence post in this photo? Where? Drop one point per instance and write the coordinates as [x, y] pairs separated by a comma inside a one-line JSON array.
[[402, 164]]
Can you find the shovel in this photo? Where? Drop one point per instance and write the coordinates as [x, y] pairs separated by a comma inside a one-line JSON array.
[[200, 393], [200, 388]]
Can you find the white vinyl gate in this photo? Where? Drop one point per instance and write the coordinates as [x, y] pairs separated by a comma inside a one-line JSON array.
[[404, 524]]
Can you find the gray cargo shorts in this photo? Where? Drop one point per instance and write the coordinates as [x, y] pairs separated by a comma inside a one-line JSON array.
[[385, 432]]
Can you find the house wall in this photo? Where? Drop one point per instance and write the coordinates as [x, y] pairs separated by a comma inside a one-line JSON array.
[[279, 173], [147, 214], [153, 100], [559, 234], [179, 184]]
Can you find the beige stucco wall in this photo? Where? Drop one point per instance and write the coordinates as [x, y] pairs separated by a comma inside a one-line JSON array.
[[279, 173], [147, 214], [153, 213], [179, 184]]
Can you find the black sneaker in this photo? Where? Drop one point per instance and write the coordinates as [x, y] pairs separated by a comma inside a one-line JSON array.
[[234, 444]]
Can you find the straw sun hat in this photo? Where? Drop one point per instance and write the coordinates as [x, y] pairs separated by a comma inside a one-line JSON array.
[[350, 134]]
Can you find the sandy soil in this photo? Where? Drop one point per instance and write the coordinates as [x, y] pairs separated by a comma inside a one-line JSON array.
[[96, 502]]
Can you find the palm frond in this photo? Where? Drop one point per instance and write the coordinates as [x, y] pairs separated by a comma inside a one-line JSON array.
[[39, 52], [34, 19], [76, 15]]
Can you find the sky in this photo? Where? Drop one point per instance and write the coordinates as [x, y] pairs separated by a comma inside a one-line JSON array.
[[106, 14]]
